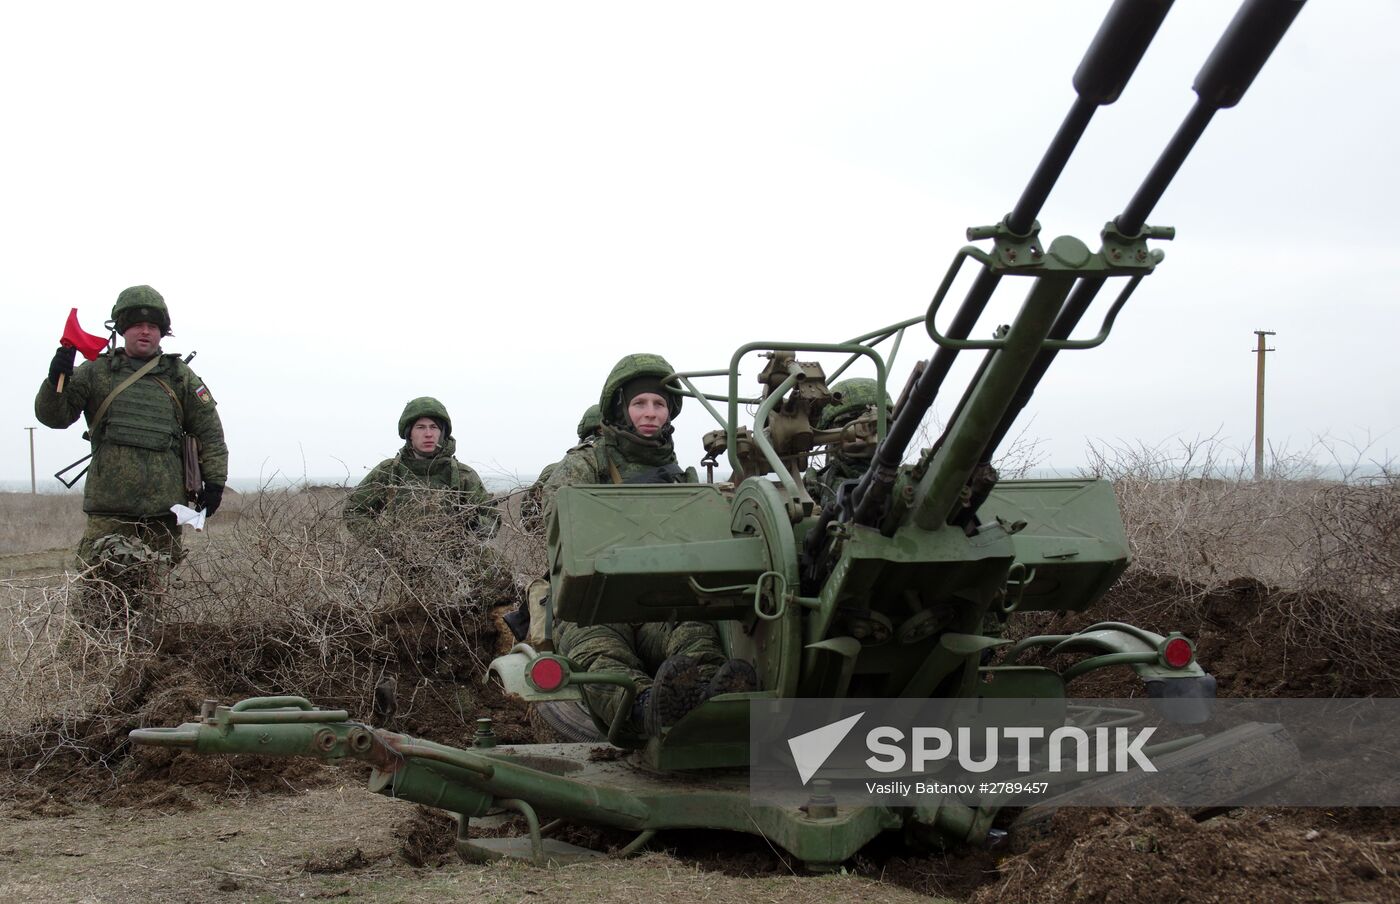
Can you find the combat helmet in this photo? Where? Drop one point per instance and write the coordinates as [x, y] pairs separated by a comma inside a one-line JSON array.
[[589, 423], [630, 368], [141, 304], [857, 394], [424, 406]]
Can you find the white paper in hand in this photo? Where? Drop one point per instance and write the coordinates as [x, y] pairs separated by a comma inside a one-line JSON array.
[[186, 515]]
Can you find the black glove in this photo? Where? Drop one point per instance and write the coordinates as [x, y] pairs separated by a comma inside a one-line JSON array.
[[210, 497], [62, 363]]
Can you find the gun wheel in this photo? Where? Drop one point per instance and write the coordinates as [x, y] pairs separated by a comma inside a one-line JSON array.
[[563, 722], [757, 510]]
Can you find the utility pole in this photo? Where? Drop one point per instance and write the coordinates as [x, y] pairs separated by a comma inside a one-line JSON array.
[[1259, 404], [33, 482]]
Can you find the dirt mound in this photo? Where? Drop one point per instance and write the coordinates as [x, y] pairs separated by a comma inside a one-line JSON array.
[[38, 803], [437, 656], [1257, 641], [336, 860], [427, 838], [1156, 854]]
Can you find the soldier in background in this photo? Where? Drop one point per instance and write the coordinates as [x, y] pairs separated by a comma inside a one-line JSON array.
[[423, 480], [858, 396], [140, 403], [634, 446], [532, 506]]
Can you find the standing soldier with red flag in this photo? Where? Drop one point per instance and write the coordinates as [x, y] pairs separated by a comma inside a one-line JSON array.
[[142, 407]]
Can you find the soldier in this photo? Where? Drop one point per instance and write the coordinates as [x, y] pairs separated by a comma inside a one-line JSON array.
[[425, 464], [531, 507], [858, 395], [140, 405], [634, 446]]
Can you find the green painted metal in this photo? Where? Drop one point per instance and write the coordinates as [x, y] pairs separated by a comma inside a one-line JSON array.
[[1115, 643], [731, 423], [630, 553], [896, 590]]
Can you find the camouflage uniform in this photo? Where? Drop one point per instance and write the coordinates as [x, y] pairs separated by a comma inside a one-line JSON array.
[[405, 484], [859, 395], [532, 506], [621, 455], [137, 471]]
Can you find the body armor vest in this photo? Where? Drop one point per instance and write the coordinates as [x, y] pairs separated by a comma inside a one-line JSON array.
[[144, 416]]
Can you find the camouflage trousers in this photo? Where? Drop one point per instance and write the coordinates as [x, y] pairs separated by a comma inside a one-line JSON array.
[[635, 650], [161, 534], [124, 564]]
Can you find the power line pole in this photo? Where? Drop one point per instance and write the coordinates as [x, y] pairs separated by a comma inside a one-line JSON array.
[[33, 481], [1259, 404]]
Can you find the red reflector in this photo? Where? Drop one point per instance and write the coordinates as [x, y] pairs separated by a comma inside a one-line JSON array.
[[1178, 652], [547, 674]]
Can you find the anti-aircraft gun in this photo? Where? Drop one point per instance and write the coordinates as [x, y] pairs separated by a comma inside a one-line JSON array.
[[895, 591]]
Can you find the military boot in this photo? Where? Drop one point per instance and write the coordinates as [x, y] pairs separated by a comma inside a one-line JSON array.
[[735, 676], [679, 687]]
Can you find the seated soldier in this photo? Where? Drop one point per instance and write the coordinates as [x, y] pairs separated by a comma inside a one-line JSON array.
[[858, 396], [425, 463], [634, 446]]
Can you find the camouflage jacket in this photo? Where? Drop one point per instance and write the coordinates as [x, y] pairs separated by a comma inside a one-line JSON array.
[[532, 502], [612, 457], [137, 468], [408, 484], [822, 483]]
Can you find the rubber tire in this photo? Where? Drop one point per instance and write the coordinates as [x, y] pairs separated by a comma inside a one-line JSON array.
[[563, 722]]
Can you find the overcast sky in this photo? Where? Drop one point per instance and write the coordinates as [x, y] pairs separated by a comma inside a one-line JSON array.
[[347, 205]]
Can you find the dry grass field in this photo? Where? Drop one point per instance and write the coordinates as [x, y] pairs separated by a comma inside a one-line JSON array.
[[1289, 588], [37, 531]]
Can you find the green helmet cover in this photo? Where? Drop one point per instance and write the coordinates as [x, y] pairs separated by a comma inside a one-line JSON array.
[[589, 423], [423, 406], [140, 304], [629, 368], [857, 394]]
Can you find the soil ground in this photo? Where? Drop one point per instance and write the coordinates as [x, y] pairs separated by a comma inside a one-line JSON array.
[[158, 826], [323, 836], [334, 841]]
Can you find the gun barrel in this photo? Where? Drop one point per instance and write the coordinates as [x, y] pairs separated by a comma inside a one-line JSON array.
[[1078, 302], [1242, 51], [1109, 62], [1118, 47], [1229, 70]]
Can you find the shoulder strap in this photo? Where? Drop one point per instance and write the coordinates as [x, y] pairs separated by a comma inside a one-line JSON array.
[[179, 408], [107, 402], [604, 460]]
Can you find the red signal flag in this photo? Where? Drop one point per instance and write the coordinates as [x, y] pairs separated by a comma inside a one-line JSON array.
[[75, 337]]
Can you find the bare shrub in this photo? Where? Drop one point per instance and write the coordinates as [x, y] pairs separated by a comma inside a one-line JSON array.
[[284, 601], [1328, 551], [1354, 541], [1349, 576], [1192, 515]]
